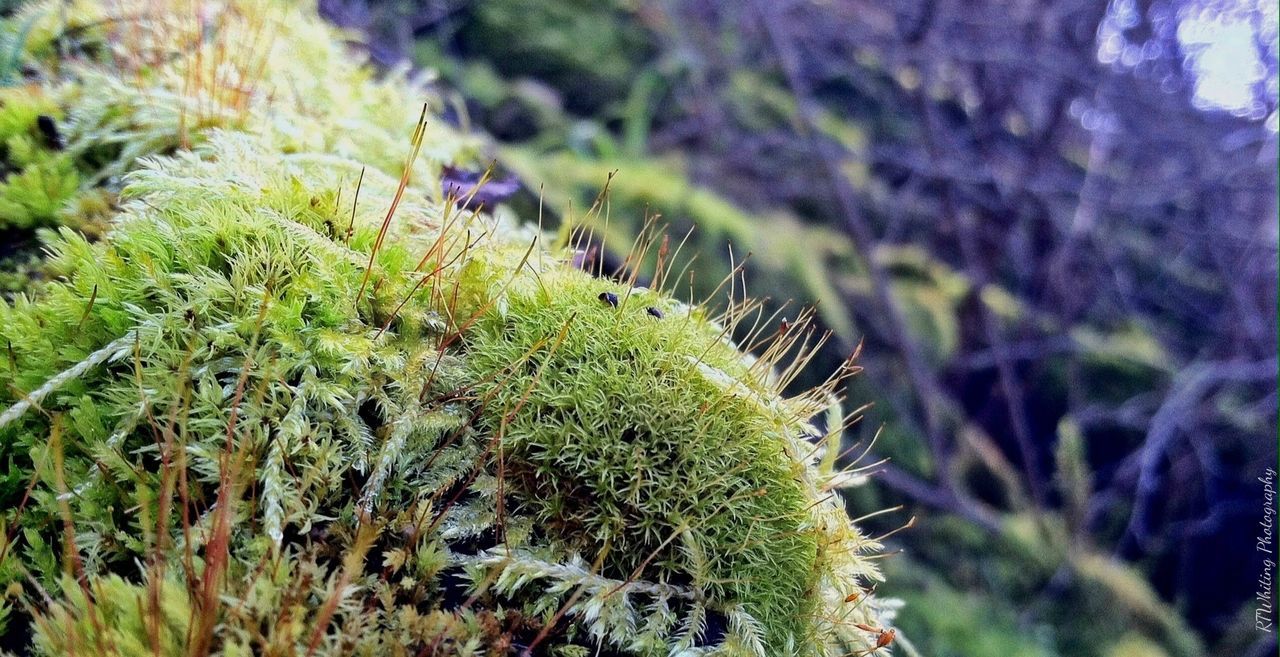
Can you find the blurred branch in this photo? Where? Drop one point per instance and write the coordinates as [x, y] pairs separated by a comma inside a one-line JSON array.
[[926, 389], [1188, 388], [939, 497], [966, 229]]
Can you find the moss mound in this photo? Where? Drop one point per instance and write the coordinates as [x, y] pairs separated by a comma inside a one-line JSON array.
[[295, 402], [633, 435]]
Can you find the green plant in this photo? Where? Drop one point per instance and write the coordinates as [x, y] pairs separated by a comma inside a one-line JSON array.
[[295, 402]]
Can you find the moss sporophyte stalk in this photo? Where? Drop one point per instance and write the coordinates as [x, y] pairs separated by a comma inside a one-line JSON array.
[[267, 392]]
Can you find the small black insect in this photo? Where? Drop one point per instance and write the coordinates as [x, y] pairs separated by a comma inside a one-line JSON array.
[[49, 128], [609, 298], [654, 312]]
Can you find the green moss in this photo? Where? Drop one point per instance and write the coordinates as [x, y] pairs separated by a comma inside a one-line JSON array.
[[38, 180], [112, 616], [36, 195], [20, 137], [255, 432], [646, 439]]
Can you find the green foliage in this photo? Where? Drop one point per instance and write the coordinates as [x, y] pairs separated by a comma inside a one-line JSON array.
[[252, 418], [947, 622], [114, 617], [34, 196], [1135, 646], [225, 279], [577, 44], [930, 294], [21, 139], [645, 439], [38, 180], [1006, 593]]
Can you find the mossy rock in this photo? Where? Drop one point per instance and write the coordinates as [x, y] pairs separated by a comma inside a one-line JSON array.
[[267, 415]]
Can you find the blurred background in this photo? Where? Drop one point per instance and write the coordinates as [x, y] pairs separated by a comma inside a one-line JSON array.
[[1053, 223]]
